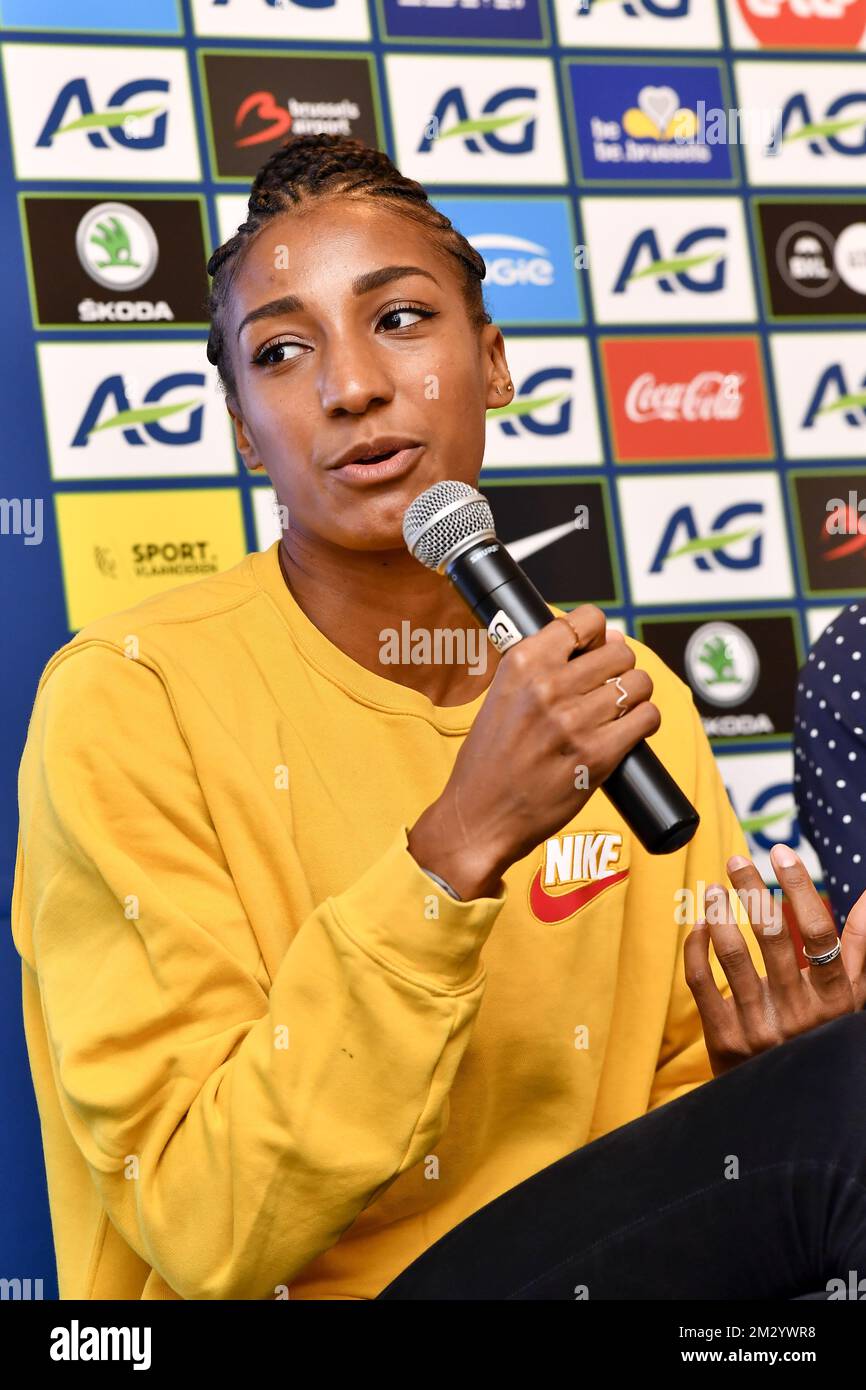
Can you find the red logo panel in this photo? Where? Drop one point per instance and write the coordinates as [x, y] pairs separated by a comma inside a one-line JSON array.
[[686, 399], [805, 23]]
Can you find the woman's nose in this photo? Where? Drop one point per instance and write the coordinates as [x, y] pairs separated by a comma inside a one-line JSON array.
[[352, 379]]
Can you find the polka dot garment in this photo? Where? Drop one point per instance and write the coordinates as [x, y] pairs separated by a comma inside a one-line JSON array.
[[830, 755]]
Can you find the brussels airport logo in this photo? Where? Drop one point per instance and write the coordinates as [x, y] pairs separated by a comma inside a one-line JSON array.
[[706, 537], [805, 23], [470, 120], [104, 112], [528, 250], [831, 517], [574, 871], [673, 124], [296, 118]]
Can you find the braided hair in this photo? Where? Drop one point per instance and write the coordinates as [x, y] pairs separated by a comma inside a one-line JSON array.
[[308, 167]]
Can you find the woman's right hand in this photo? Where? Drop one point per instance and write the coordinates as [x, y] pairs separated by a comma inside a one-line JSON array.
[[548, 734]]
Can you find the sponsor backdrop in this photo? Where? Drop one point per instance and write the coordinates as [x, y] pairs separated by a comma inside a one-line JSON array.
[[668, 195]]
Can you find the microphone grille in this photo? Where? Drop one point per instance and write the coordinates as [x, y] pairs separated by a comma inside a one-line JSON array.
[[444, 516]]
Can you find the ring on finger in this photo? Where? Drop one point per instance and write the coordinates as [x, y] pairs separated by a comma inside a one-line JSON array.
[[826, 956], [622, 697]]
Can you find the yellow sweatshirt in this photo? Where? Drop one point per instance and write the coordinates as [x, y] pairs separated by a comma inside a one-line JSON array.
[[264, 1066]]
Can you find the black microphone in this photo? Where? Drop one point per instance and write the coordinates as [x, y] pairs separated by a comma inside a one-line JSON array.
[[449, 528]]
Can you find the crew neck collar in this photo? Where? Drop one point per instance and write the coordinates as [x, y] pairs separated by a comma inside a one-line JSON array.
[[332, 662]]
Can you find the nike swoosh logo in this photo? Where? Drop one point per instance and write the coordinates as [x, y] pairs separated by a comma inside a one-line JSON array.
[[530, 545], [556, 909]]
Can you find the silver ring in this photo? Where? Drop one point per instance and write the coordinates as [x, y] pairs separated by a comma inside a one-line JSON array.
[[623, 694], [826, 957]]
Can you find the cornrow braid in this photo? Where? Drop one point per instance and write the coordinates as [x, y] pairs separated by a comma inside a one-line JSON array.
[[312, 166]]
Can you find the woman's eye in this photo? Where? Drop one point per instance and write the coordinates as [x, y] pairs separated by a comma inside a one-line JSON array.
[[405, 309], [265, 358]]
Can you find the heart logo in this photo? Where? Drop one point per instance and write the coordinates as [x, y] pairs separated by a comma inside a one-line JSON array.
[[659, 104]]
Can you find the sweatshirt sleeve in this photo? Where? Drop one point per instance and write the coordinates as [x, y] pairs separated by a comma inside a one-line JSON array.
[[234, 1128], [683, 1061]]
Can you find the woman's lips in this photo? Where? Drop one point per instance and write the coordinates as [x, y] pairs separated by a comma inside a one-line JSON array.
[[394, 466]]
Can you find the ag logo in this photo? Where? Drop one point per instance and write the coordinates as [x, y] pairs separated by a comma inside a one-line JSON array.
[[117, 246], [682, 539], [722, 663], [487, 125]]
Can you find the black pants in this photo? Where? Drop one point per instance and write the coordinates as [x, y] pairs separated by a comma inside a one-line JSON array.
[[752, 1186]]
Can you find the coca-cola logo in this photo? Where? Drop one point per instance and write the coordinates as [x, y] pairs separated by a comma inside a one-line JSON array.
[[805, 23], [710, 395]]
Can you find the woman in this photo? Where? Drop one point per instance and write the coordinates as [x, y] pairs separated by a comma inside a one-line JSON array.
[[325, 958]]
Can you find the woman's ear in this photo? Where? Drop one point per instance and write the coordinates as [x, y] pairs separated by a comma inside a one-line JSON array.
[[500, 388], [243, 443]]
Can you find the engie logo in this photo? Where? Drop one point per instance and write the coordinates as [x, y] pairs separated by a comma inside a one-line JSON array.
[[686, 398], [821, 389], [104, 113], [702, 538], [761, 789], [668, 260], [552, 418], [806, 24], [819, 131], [528, 248], [507, 21], [282, 20], [667, 24], [574, 871], [475, 121], [640, 122], [133, 410]]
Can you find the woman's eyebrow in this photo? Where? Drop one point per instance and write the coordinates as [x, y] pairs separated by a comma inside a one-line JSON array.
[[362, 284]]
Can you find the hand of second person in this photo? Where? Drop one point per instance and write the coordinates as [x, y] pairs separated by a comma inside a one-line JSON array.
[[763, 1011]]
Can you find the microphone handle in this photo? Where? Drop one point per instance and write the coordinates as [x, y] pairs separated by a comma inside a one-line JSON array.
[[506, 602]]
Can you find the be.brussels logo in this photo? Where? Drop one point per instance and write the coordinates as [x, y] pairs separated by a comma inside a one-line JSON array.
[[490, 21], [93, 16], [666, 24], [98, 262], [281, 20], [133, 410], [702, 537], [761, 791], [256, 99], [637, 122], [814, 257], [741, 667], [475, 120], [821, 391], [552, 418], [806, 24], [117, 548], [100, 113], [528, 246], [804, 122], [558, 530], [668, 260], [686, 398], [830, 511]]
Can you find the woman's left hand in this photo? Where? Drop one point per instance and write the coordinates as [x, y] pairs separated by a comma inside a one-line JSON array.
[[765, 1010]]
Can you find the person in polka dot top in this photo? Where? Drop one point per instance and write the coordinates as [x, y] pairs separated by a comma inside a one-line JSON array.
[[830, 755]]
